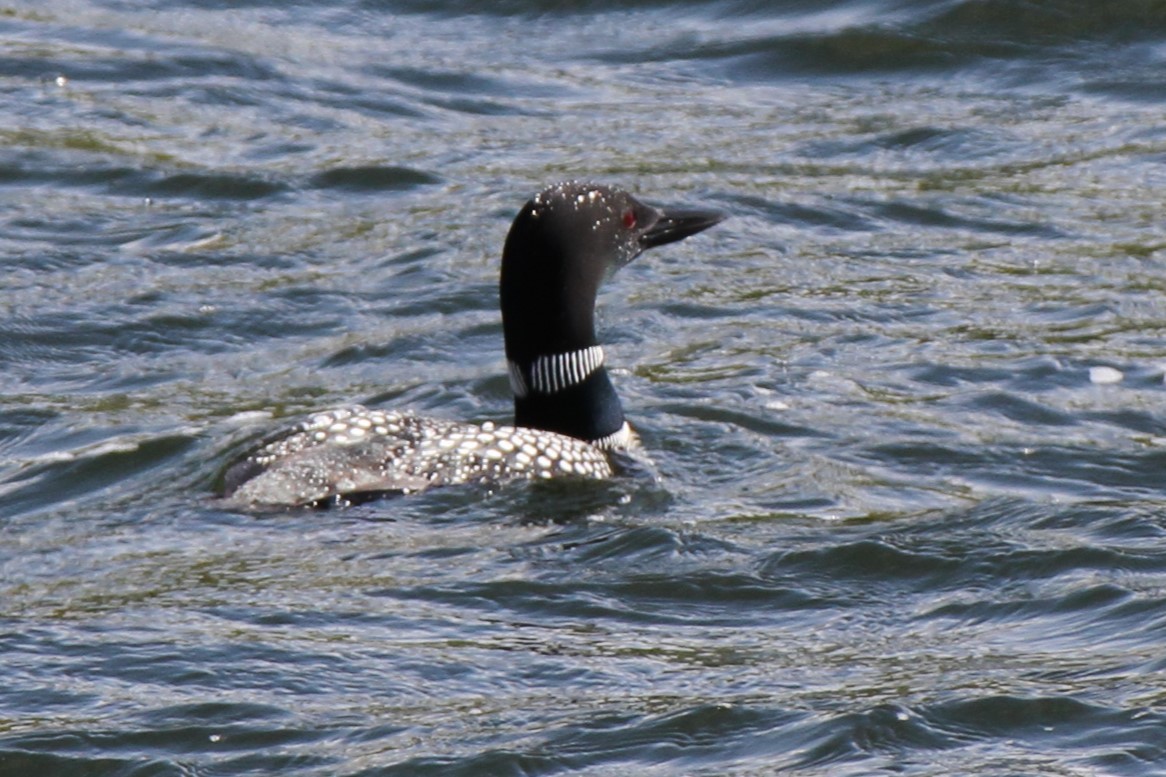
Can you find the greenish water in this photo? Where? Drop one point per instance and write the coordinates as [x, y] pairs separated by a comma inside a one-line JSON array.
[[906, 404]]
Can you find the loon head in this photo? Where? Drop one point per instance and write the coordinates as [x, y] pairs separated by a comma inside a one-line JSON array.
[[562, 245]]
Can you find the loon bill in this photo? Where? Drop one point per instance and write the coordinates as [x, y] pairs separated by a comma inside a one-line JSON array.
[[568, 420]]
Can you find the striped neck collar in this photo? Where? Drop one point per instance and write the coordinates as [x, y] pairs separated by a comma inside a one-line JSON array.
[[552, 373], [569, 393]]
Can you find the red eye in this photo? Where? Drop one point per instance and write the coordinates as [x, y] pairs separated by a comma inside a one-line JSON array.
[[629, 218]]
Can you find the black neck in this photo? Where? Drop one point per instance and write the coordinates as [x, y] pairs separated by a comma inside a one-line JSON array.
[[588, 410], [547, 290]]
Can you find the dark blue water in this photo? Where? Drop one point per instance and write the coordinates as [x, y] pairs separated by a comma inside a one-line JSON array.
[[907, 405]]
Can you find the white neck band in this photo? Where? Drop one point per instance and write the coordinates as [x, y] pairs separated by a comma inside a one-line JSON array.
[[549, 374]]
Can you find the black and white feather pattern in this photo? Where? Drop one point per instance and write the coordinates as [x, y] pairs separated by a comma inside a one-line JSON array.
[[555, 372], [357, 450]]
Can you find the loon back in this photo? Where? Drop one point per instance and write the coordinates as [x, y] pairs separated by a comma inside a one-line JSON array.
[[568, 417]]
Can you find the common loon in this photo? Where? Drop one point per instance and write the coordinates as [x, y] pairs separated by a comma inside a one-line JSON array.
[[568, 418]]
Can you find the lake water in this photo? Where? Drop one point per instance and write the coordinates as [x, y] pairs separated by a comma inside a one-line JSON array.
[[907, 404]]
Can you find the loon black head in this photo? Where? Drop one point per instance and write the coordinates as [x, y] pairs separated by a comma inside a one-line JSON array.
[[562, 245]]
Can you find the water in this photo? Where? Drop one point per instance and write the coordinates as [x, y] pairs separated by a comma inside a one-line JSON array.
[[907, 404]]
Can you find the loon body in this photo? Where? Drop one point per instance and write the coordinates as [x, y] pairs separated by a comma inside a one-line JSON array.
[[568, 417]]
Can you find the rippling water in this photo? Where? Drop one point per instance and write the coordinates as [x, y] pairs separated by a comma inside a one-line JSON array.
[[907, 404]]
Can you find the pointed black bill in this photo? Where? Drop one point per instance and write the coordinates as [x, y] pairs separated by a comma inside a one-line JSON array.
[[676, 225]]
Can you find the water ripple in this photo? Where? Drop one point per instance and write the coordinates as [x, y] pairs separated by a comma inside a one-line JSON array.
[[904, 406]]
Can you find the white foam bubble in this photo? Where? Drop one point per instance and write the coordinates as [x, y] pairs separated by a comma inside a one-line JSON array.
[[1105, 375]]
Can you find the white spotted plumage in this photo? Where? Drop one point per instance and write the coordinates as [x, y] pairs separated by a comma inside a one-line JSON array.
[[393, 451]]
